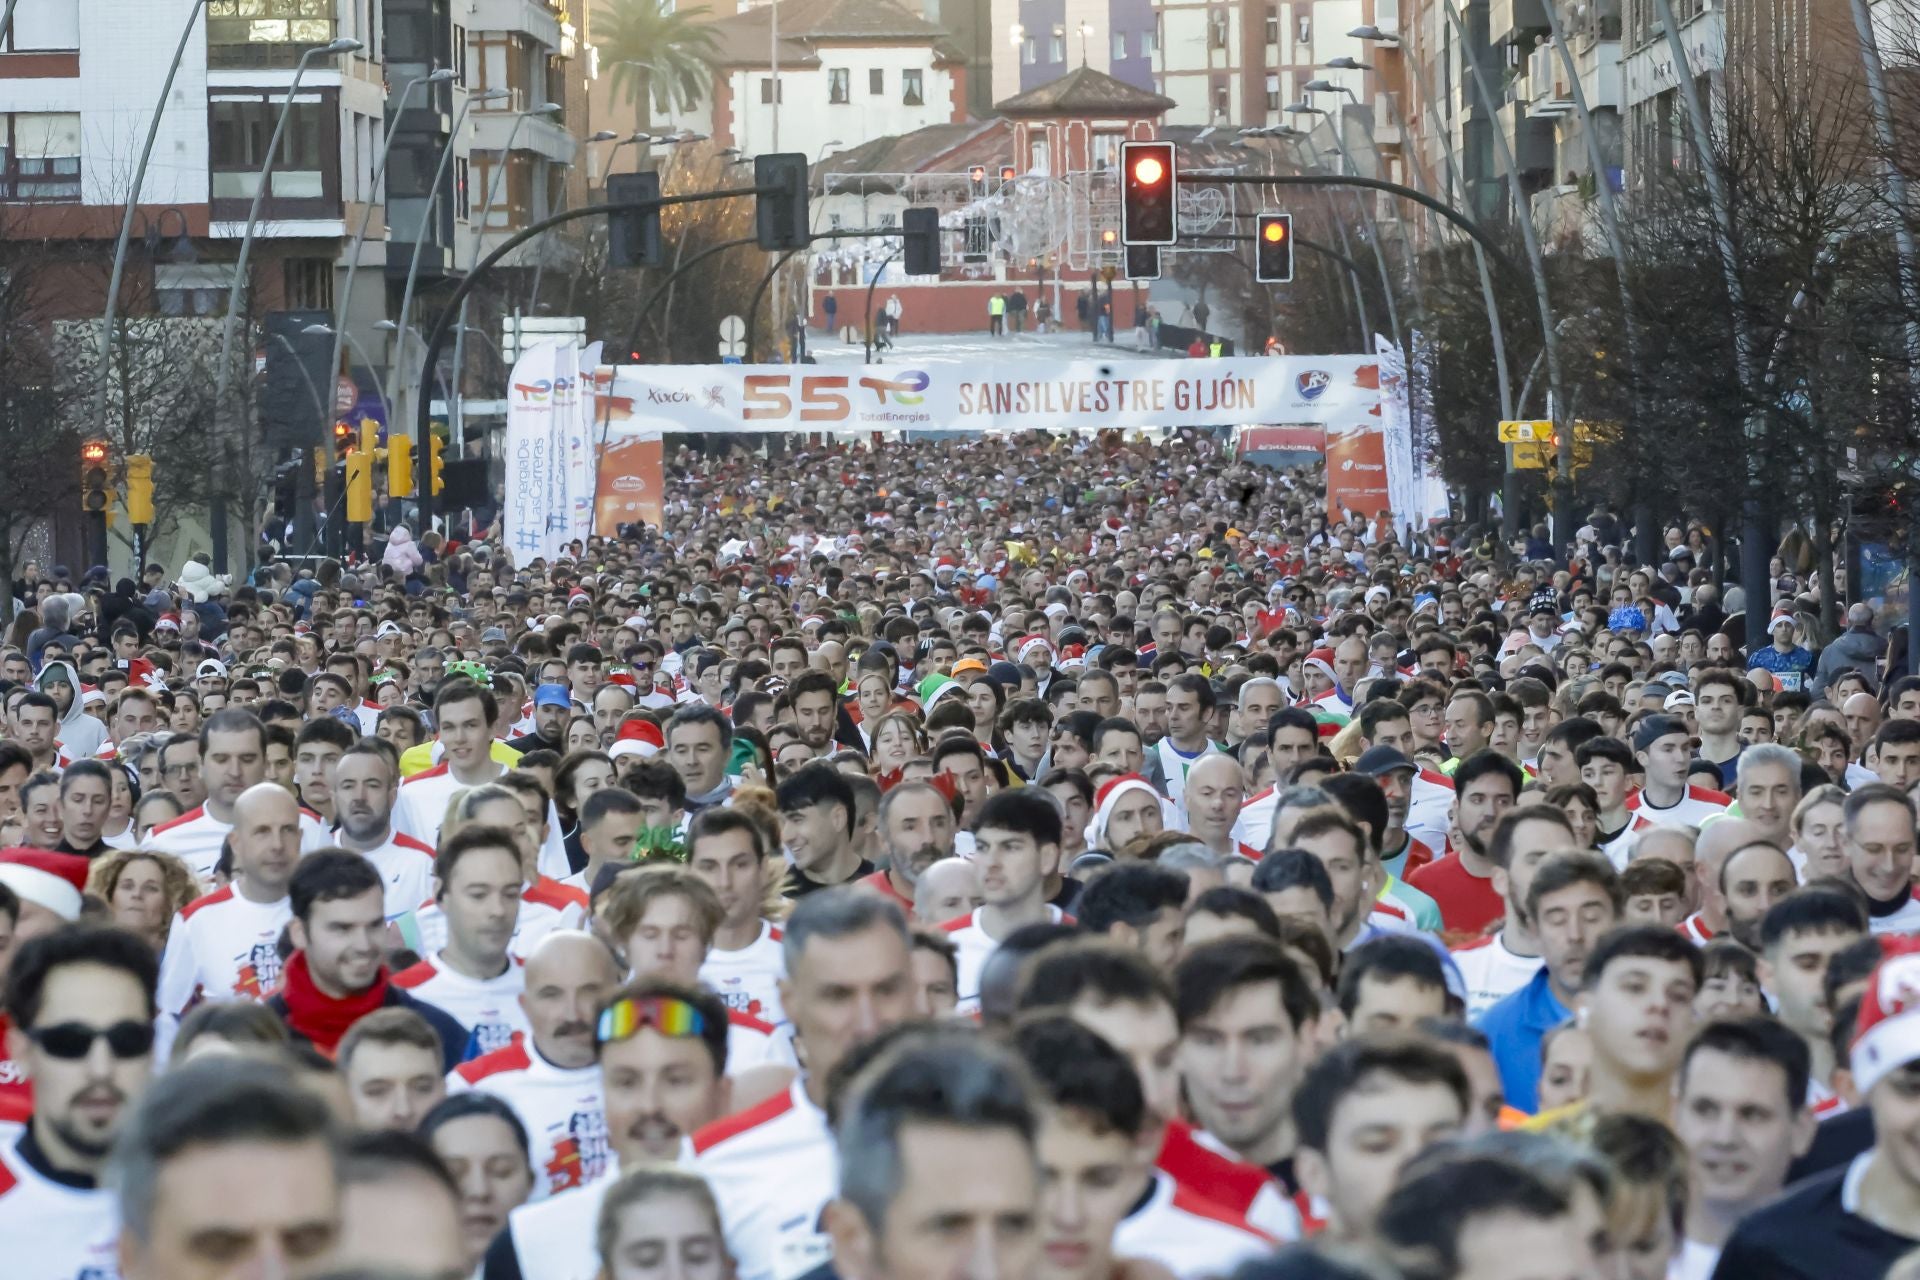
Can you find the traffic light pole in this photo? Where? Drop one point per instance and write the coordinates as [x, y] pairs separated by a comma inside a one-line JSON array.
[[443, 323], [640, 315], [753, 312]]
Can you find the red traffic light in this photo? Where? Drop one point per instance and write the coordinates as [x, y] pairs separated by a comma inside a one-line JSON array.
[[1147, 211], [1108, 236], [1275, 232], [1006, 173], [94, 452], [1147, 171], [978, 173]]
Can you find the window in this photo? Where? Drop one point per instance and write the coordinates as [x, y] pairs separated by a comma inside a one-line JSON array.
[[910, 92], [1029, 52], [460, 55], [876, 82], [462, 189], [43, 25], [1306, 29], [839, 85], [1273, 93], [1273, 24], [1119, 45], [191, 288], [1221, 99], [1104, 150], [766, 91], [40, 156], [833, 222], [266, 33], [1057, 47], [1216, 28], [1038, 156], [1150, 41], [889, 219], [238, 133]]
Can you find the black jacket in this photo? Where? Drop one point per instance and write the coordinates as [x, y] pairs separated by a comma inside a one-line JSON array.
[[454, 1038]]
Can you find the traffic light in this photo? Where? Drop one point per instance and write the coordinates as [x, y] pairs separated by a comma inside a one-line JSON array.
[[633, 235], [399, 466], [977, 179], [780, 215], [94, 457], [436, 446], [920, 241], [359, 487], [369, 436], [1273, 248], [1147, 210], [1143, 262], [342, 438], [1006, 173], [139, 489]]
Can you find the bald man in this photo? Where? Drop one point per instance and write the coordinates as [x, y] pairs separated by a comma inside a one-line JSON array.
[[1215, 788], [551, 1079], [947, 890], [226, 944], [1718, 838]]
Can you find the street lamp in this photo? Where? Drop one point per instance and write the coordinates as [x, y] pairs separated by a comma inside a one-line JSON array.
[[443, 76], [454, 412], [217, 505], [133, 200], [426, 217]]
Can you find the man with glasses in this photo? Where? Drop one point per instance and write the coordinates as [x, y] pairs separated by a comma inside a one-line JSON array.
[[81, 1002]]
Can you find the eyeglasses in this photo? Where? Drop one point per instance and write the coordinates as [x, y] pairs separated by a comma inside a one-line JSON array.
[[623, 1019], [74, 1040]]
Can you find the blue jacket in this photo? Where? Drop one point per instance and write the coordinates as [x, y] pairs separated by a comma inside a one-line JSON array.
[[1514, 1028]]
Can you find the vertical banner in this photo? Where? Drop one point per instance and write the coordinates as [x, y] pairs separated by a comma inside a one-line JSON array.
[[527, 499], [1357, 455], [583, 446], [632, 479], [1396, 430]]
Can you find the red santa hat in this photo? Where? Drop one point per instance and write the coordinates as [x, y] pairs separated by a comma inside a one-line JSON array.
[[1108, 797], [637, 738], [1887, 1035], [47, 879]]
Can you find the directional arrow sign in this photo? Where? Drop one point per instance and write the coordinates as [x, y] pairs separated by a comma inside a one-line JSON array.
[[1525, 432]]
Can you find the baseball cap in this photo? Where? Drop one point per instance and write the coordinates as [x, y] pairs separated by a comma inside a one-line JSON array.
[[552, 695], [1678, 698], [1654, 728], [493, 635], [210, 667], [1377, 762]]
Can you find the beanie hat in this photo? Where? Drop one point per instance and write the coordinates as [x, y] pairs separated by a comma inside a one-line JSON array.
[[51, 880], [1887, 1035], [1108, 797], [637, 738]]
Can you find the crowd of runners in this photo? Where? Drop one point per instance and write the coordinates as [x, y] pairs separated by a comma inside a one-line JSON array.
[[1020, 858]]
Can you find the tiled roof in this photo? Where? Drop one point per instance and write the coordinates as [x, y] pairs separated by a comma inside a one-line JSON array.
[[1084, 91]]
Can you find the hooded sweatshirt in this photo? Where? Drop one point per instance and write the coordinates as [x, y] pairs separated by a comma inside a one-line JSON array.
[[402, 556], [81, 735]]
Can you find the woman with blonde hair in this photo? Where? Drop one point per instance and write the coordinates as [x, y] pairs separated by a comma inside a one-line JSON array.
[[144, 890]]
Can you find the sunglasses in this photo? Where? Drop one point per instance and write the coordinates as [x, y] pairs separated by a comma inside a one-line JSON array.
[[623, 1019], [74, 1040]]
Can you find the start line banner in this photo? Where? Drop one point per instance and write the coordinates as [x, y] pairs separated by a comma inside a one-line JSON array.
[[1070, 395]]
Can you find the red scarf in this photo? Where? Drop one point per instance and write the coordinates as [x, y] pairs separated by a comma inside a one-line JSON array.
[[318, 1016]]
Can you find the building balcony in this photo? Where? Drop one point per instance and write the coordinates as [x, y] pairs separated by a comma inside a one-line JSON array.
[[540, 19], [1515, 21], [1545, 90], [537, 135]]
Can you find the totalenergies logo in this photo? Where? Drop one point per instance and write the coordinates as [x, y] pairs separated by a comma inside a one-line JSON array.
[[534, 392], [905, 387]]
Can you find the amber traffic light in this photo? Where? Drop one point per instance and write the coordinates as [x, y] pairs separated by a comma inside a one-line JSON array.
[[1273, 248]]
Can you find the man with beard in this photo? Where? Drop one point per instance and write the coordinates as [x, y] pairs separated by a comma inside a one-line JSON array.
[[662, 1053], [1753, 878], [81, 1006], [1573, 900], [1485, 786], [916, 829], [552, 708], [816, 706], [364, 782]]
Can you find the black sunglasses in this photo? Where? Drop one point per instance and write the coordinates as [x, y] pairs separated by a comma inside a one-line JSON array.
[[74, 1040]]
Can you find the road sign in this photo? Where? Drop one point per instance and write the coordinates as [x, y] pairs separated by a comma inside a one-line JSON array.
[[526, 331], [733, 350], [733, 329], [1532, 455], [1524, 432]]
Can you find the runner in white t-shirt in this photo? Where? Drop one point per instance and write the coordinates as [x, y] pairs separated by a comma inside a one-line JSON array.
[[474, 977], [233, 758], [1505, 960], [1017, 847], [745, 965], [364, 781]]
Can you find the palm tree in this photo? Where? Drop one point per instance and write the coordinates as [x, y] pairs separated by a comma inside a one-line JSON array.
[[661, 56]]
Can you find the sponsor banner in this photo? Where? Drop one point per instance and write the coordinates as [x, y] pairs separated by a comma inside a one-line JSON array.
[[527, 496], [1396, 429], [1335, 392], [632, 480], [1304, 438]]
